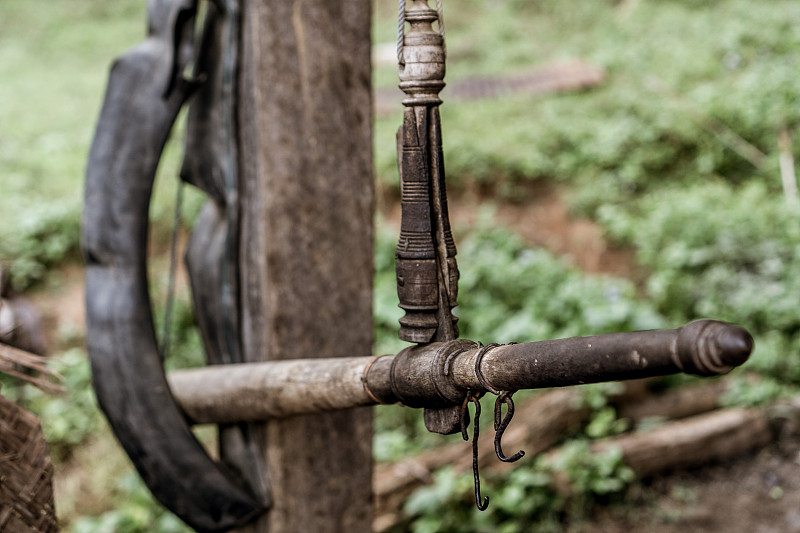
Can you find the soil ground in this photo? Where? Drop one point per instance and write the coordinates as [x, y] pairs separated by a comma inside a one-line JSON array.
[[757, 493]]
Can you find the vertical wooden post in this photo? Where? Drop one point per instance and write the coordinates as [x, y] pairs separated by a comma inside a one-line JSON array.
[[307, 212]]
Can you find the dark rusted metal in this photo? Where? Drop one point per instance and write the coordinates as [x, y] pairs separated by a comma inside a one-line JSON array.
[[500, 426], [705, 348], [450, 375], [464, 412], [427, 275], [479, 373], [441, 374]]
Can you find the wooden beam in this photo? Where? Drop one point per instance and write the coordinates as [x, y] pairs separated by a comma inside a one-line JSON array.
[[305, 124]]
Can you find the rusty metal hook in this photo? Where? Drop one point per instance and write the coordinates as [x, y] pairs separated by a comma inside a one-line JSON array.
[[475, 398], [501, 425]]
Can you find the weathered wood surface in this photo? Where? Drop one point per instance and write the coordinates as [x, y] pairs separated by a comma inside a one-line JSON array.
[[279, 389], [306, 160], [682, 402], [694, 441]]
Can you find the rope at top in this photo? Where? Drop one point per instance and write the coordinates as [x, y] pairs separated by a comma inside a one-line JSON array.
[[401, 28]]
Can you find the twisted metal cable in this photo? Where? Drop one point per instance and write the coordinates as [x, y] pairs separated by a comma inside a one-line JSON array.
[[401, 31], [440, 12]]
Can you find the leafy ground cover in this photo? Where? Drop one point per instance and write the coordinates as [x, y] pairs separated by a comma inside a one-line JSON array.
[[675, 155]]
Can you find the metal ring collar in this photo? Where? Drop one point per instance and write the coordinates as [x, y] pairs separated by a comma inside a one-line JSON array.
[[479, 373], [365, 382]]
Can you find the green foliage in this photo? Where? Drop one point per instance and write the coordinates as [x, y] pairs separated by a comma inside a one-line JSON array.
[[752, 391], [67, 422], [510, 292], [722, 251], [525, 501], [184, 346], [43, 236], [589, 474], [137, 513], [400, 432], [595, 396], [537, 495], [385, 310], [605, 423], [54, 61], [655, 119]]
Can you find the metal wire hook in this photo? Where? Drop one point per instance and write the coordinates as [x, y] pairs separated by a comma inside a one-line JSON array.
[[473, 397], [501, 425]]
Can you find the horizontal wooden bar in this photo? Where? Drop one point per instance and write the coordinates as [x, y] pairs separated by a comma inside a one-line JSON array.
[[275, 389]]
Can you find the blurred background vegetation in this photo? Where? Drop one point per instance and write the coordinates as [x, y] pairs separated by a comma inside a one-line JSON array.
[[675, 156]]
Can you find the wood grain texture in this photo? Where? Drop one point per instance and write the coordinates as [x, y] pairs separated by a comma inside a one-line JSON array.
[[697, 440], [306, 158]]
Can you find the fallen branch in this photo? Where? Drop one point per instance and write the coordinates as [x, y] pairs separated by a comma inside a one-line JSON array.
[[676, 403], [698, 440], [543, 420], [568, 76]]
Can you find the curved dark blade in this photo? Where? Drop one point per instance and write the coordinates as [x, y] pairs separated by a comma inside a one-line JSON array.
[[128, 376]]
